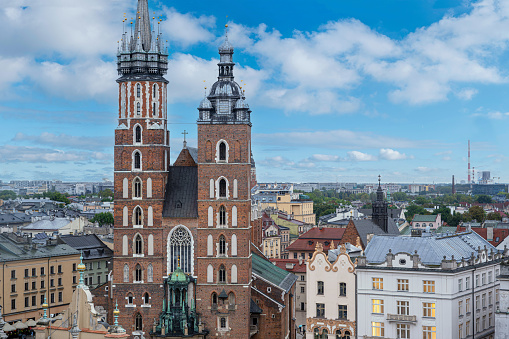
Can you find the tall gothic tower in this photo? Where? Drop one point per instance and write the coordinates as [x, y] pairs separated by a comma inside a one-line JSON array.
[[141, 164], [224, 230], [379, 209]]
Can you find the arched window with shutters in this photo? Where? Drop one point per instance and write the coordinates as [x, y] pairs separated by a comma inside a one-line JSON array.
[[222, 245], [137, 188], [222, 216], [137, 134], [138, 273], [138, 244], [222, 275], [138, 323]]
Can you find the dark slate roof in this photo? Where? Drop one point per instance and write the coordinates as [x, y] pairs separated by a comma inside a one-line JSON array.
[[270, 272], [181, 200], [393, 212], [11, 250], [431, 249], [90, 244], [366, 226], [254, 308], [193, 151]]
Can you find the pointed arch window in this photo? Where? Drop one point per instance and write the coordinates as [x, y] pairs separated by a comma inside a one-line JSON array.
[[222, 245], [138, 244], [222, 274], [154, 92], [223, 322], [150, 273], [137, 188], [137, 160], [222, 188], [222, 151], [154, 109], [138, 323], [137, 134], [138, 273], [138, 90], [126, 273], [222, 216], [180, 249], [138, 108], [231, 298], [146, 299], [130, 299], [214, 300], [138, 217]]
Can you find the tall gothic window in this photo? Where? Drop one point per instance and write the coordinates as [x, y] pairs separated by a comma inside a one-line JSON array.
[[222, 215], [137, 188], [138, 90], [130, 298], [222, 151], [126, 273], [231, 298], [222, 245], [222, 274], [138, 273], [180, 248], [154, 109], [154, 92], [138, 219], [138, 323], [146, 299], [214, 299], [137, 160], [138, 108], [138, 244], [137, 133], [150, 273], [222, 188]]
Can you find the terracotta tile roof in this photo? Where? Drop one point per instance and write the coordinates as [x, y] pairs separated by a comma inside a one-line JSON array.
[[281, 263], [500, 233], [324, 235]]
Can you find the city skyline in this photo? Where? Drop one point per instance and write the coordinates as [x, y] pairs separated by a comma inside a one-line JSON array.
[[338, 94]]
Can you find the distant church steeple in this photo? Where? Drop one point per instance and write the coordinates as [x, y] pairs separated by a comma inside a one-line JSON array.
[[380, 209]]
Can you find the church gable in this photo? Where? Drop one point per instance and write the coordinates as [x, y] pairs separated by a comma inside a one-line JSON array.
[[187, 157], [181, 198]]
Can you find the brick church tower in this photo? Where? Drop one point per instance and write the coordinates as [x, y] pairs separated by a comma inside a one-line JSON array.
[[224, 225], [141, 163]]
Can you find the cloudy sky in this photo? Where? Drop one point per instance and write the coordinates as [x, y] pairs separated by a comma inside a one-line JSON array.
[[340, 90]]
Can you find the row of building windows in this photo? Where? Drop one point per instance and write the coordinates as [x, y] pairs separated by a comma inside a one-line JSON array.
[[324, 334], [221, 274], [32, 301], [138, 274], [428, 286], [402, 330], [342, 311], [403, 307], [320, 288], [221, 217], [138, 217], [32, 273]]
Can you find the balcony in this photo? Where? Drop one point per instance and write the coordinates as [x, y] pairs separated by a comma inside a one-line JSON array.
[[402, 318]]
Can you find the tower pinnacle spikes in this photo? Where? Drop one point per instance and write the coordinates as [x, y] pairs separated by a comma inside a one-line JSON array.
[[143, 25]]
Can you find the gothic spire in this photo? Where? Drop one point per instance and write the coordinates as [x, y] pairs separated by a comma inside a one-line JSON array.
[[142, 26]]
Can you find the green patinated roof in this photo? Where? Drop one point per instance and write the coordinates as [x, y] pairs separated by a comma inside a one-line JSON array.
[[272, 273], [424, 218], [179, 276], [405, 231]]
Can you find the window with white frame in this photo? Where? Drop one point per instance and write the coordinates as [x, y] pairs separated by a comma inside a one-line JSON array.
[[378, 283], [403, 331], [403, 307], [428, 286], [402, 284], [429, 332], [428, 310], [377, 329], [377, 306]]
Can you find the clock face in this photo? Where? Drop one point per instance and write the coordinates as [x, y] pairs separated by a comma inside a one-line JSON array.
[[224, 107]]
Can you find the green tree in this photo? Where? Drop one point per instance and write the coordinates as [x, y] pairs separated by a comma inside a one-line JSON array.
[[455, 219], [399, 196], [420, 200], [6, 195], [107, 193], [57, 196], [483, 199], [103, 219], [445, 212], [493, 216], [477, 213], [412, 210]]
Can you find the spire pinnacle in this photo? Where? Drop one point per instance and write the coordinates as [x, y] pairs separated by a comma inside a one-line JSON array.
[[142, 27]]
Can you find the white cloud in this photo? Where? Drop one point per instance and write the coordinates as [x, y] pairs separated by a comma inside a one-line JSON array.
[[466, 93], [185, 28], [67, 141], [9, 154], [359, 156], [424, 169], [342, 139], [492, 115], [390, 154], [324, 157]]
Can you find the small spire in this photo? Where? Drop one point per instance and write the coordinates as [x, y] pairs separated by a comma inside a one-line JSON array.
[[185, 146]]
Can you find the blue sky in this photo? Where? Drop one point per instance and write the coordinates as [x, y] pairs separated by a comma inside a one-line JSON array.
[[340, 90]]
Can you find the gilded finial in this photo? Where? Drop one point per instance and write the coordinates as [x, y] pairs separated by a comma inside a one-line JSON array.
[[332, 245]]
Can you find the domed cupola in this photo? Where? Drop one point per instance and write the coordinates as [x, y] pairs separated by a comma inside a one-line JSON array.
[[225, 98]]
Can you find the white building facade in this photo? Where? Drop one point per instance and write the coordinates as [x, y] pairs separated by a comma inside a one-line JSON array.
[[428, 287], [330, 295], [502, 312]]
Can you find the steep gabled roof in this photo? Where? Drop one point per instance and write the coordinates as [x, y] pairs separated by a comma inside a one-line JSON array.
[[181, 200], [273, 274]]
